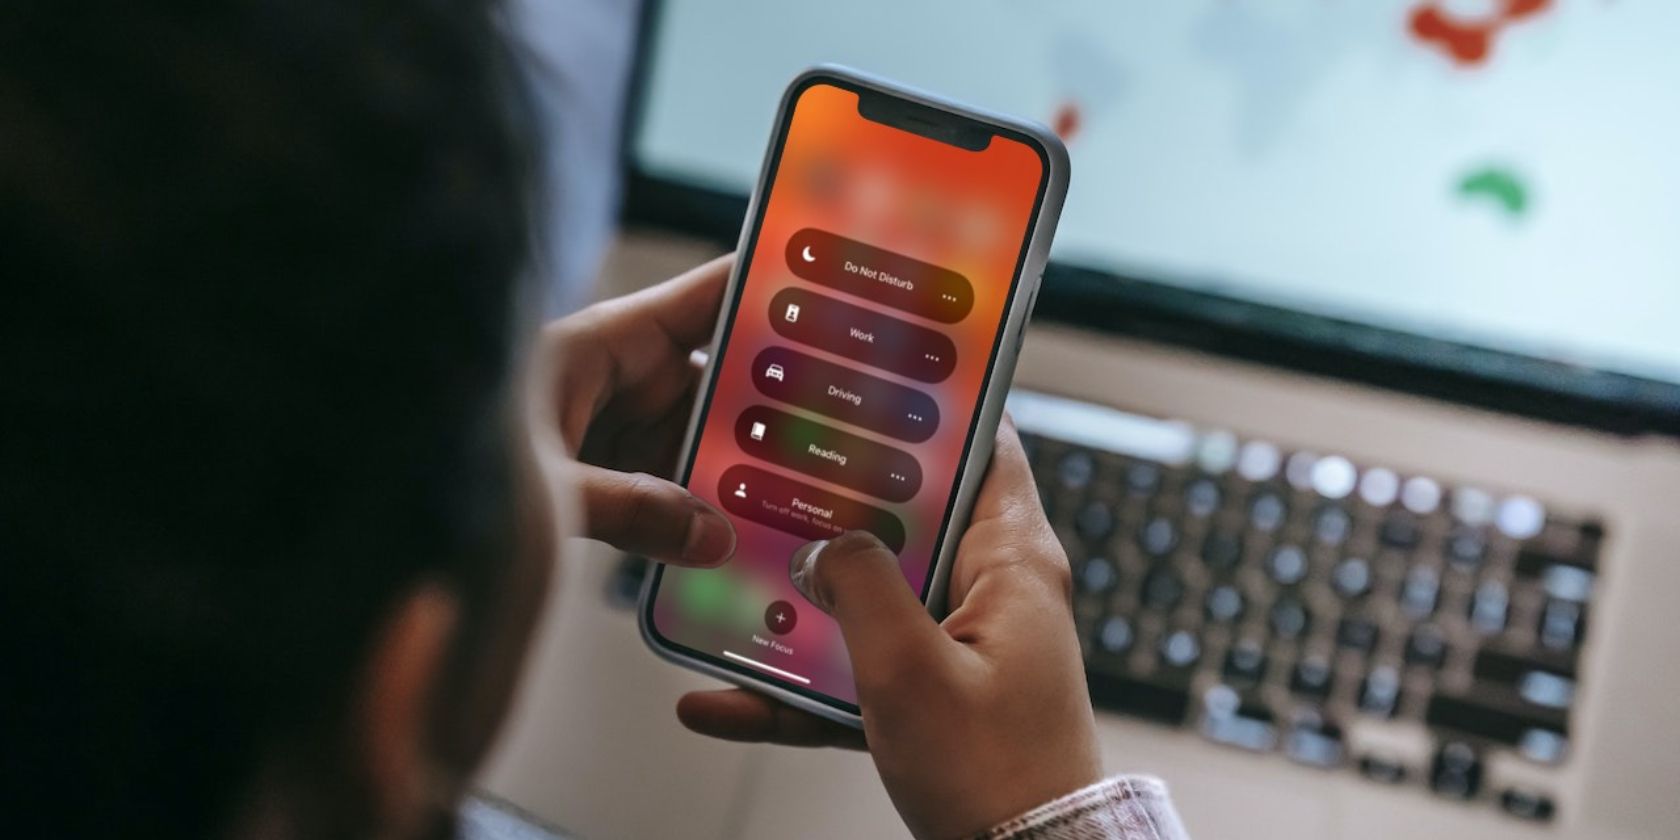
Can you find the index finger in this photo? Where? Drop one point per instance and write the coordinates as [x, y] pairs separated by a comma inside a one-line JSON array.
[[681, 311]]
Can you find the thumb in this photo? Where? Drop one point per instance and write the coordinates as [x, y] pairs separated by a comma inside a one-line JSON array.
[[641, 514], [889, 634]]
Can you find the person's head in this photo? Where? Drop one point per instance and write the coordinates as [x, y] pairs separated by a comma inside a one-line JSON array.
[[262, 480]]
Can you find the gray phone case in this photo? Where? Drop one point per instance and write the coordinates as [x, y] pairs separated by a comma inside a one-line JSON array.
[[993, 393]]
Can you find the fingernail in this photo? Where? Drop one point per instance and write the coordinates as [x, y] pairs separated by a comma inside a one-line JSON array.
[[710, 540], [802, 571]]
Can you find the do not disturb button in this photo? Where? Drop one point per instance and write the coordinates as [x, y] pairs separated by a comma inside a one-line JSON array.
[[876, 274]]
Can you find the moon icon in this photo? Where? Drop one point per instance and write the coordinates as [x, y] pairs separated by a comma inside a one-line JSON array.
[[806, 253]]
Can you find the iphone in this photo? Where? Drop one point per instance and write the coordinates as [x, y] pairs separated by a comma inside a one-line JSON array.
[[891, 255]]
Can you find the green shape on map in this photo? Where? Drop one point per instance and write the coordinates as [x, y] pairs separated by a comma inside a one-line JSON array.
[[1499, 185]]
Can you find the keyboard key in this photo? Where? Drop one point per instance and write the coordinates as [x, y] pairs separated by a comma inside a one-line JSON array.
[[1520, 518], [1398, 531], [1351, 578], [1311, 677], [1568, 583], [1472, 506], [1143, 478], [1298, 470], [1420, 495], [1216, 451], [1497, 715], [1095, 522], [1115, 635], [1543, 688], [1268, 511], [1162, 588], [1223, 604], [1258, 461], [1076, 469], [1290, 619], [1334, 477], [1357, 634], [1561, 624], [1314, 743], [1165, 702], [1488, 608], [1527, 805], [1245, 662], [1158, 537], [1379, 692], [1510, 667], [1221, 552], [1180, 649], [1543, 746], [1287, 564], [1383, 770], [1332, 526], [1098, 575], [1533, 559], [1420, 592], [1466, 548], [1202, 497], [1246, 726], [1426, 646], [1379, 487], [1456, 771]]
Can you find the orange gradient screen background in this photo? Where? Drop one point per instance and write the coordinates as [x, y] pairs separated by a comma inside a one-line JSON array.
[[969, 211]]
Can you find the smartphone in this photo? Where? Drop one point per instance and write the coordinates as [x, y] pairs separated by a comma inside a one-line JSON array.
[[891, 255]]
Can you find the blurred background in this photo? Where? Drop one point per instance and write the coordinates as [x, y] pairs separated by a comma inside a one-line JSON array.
[[1353, 391]]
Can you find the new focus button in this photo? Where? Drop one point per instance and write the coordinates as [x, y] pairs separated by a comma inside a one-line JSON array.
[[868, 272], [829, 454], [780, 617], [850, 396], [864, 335], [804, 511]]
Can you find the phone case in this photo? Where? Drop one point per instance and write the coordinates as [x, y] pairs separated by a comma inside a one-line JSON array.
[[993, 392]]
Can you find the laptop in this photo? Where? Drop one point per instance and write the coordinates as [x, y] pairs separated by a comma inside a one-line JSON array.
[[1353, 393]]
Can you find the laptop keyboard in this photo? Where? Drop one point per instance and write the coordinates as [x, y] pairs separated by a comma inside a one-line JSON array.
[[1339, 615]]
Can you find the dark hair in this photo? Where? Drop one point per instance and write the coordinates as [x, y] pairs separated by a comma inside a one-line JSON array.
[[259, 263]]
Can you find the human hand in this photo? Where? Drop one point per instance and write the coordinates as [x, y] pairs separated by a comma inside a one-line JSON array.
[[618, 384], [970, 721]]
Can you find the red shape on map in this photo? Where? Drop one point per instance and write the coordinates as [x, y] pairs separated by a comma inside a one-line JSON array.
[[1066, 120], [1468, 42]]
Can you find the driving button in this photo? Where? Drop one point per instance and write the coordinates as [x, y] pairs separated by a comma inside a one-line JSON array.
[[850, 396]]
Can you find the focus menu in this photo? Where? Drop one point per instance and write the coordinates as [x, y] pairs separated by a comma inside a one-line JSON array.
[[863, 337]]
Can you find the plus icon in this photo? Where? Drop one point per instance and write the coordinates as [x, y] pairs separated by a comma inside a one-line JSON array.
[[780, 617]]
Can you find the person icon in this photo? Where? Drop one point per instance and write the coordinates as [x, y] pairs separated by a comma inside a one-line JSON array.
[[741, 491]]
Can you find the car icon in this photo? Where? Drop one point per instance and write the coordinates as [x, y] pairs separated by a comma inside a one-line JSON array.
[[773, 372]]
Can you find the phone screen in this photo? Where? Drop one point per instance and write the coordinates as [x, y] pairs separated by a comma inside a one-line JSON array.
[[851, 370]]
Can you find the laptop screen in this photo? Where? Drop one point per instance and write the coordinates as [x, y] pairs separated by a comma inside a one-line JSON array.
[[1499, 173]]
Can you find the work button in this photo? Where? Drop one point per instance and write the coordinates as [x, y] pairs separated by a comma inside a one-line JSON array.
[[850, 396], [865, 271], [864, 335], [797, 508], [826, 453]]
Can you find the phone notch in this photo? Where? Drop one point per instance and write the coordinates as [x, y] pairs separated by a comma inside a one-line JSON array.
[[919, 119]]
